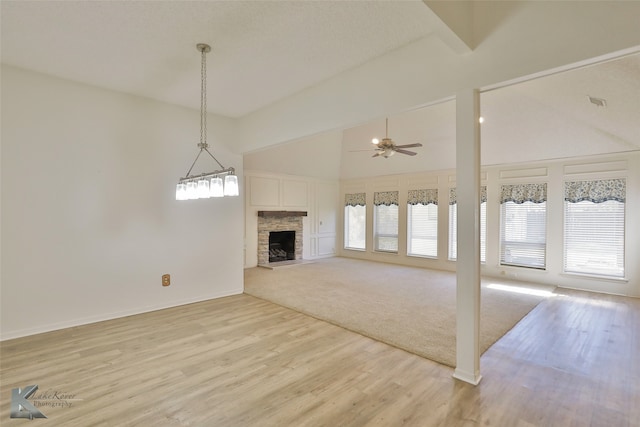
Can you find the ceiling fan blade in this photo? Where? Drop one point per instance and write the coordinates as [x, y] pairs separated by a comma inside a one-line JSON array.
[[376, 155], [408, 153], [409, 145]]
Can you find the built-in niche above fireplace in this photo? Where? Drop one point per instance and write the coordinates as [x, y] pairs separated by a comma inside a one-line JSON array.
[[279, 236]]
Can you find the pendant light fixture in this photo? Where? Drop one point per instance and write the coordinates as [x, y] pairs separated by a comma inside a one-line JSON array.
[[208, 184]]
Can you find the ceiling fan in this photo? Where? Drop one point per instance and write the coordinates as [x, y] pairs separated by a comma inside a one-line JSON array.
[[387, 148]]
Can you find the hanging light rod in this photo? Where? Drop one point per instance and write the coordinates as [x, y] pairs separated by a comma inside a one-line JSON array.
[[208, 184]]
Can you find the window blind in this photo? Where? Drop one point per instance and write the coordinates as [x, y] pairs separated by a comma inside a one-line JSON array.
[[594, 227], [385, 227], [523, 225], [355, 221], [355, 226], [422, 223]]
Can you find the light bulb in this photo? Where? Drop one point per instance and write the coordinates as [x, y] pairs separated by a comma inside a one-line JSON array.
[[375, 141]]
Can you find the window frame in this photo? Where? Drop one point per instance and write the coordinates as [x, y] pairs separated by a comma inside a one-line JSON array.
[[409, 231], [596, 197], [381, 200], [524, 195], [355, 200]]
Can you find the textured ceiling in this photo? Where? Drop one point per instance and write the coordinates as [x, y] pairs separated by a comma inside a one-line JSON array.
[[552, 117], [265, 51], [262, 51]]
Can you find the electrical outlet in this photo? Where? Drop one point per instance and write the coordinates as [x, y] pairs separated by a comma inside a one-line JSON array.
[[166, 279]]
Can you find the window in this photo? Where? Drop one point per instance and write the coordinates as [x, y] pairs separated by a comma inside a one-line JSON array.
[[385, 217], [422, 223], [355, 221], [594, 227], [453, 224], [523, 225]]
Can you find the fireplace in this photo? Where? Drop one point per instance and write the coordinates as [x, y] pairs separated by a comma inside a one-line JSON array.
[[282, 246], [279, 236]]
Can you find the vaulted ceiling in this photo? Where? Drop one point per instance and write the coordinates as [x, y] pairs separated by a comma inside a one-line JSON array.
[[262, 51], [288, 70], [541, 119]]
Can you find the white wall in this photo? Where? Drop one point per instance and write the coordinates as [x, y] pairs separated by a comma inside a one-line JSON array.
[[278, 192], [317, 156], [89, 220], [554, 173]]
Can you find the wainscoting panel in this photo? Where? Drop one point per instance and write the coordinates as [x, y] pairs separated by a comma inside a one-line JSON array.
[[326, 246], [524, 173], [264, 191], [313, 247], [586, 168], [426, 182], [294, 193]]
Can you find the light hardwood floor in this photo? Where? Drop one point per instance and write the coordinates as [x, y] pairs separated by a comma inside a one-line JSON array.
[[241, 361]]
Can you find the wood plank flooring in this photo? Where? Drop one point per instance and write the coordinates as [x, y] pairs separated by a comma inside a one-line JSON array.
[[241, 361]]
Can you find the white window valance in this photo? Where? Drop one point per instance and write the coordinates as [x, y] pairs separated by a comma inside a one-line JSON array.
[[423, 197], [520, 193], [598, 191], [453, 196], [355, 199], [386, 198]]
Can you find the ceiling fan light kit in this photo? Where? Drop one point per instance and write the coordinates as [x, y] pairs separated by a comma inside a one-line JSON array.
[[208, 184], [387, 148]]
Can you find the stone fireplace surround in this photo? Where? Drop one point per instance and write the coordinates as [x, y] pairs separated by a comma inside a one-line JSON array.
[[278, 221]]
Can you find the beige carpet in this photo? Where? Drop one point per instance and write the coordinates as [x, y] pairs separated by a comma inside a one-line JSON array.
[[410, 308]]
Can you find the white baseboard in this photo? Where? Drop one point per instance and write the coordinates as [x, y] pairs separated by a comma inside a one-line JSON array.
[[114, 315], [467, 377]]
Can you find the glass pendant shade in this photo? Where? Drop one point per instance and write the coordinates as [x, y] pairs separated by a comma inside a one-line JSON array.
[[192, 190], [181, 192], [203, 189], [216, 188], [231, 185]]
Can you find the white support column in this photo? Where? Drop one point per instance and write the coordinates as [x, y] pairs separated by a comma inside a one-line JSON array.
[[468, 256]]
